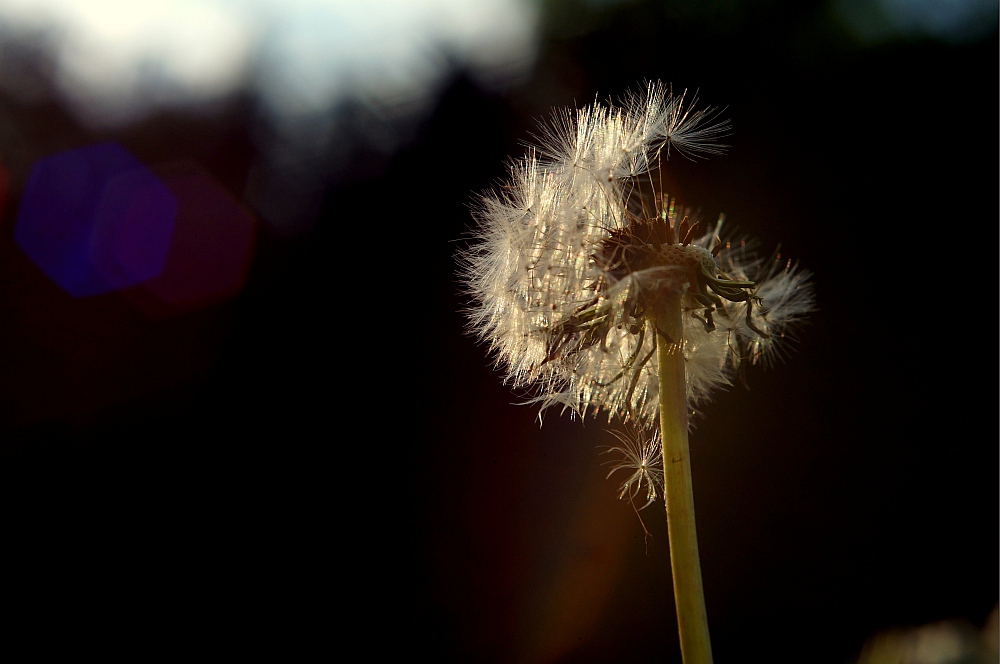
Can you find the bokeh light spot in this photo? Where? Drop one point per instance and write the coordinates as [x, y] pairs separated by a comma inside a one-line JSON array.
[[212, 245], [95, 220]]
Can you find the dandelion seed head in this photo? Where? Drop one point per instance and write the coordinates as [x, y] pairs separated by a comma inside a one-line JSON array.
[[572, 255]]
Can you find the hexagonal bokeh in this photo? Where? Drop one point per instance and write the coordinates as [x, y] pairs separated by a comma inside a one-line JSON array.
[[94, 219], [212, 245]]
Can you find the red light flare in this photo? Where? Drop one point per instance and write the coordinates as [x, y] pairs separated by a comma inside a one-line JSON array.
[[213, 245]]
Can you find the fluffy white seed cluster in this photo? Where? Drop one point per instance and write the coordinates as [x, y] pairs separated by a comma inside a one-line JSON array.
[[559, 306]]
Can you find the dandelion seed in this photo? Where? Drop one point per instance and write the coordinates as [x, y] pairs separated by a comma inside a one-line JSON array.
[[641, 455]]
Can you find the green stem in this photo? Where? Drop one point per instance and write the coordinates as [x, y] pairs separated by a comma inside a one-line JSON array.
[[689, 596]]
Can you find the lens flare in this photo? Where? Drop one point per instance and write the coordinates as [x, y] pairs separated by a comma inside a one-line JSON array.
[[212, 246], [95, 220]]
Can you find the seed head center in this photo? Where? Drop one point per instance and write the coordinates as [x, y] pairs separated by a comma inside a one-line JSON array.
[[653, 243], [689, 256]]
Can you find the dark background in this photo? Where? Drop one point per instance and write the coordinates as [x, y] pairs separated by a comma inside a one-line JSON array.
[[328, 461]]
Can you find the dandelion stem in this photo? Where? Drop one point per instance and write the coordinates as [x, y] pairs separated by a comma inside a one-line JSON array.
[[689, 596]]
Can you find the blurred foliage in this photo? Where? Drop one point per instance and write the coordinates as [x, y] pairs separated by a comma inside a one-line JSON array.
[[564, 19], [862, 23], [947, 642]]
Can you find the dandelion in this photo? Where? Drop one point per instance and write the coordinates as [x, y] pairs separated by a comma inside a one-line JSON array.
[[582, 269]]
